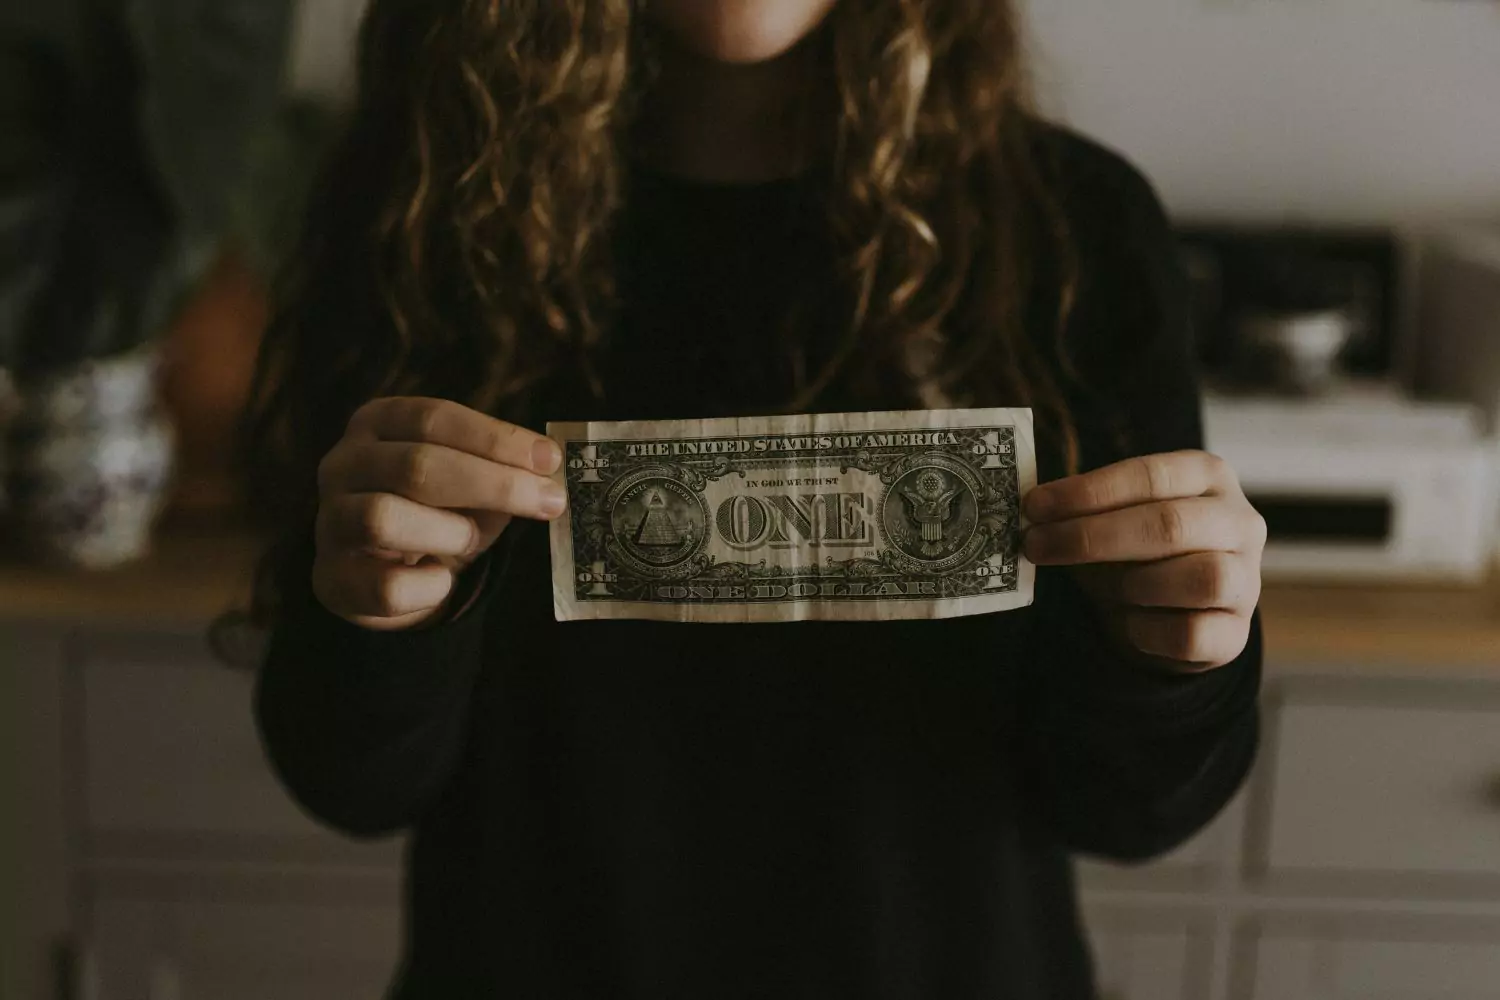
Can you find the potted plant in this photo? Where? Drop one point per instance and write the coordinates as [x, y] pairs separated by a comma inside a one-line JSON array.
[[210, 347], [152, 135]]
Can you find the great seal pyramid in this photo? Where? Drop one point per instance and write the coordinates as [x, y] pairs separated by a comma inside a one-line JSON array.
[[656, 528]]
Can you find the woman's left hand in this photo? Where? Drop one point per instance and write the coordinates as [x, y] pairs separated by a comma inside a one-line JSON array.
[[1166, 545]]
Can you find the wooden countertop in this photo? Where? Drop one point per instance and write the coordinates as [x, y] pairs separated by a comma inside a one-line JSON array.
[[1383, 629], [190, 577], [193, 575]]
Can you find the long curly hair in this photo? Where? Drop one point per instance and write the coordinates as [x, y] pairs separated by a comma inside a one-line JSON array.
[[458, 245]]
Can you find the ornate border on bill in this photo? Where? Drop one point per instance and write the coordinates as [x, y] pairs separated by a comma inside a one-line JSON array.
[[828, 517]]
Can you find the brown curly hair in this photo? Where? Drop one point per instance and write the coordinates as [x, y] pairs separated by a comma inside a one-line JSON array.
[[458, 245]]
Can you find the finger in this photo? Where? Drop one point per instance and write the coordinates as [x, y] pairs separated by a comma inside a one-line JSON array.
[[1203, 580], [359, 586], [453, 425], [439, 476], [391, 523], [1172, 476], [1202, 638], [1139, 534]]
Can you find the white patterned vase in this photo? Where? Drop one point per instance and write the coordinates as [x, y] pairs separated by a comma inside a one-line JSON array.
[[91, 463]]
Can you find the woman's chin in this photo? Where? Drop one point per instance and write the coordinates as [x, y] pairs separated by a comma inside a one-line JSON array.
[[740, 32]]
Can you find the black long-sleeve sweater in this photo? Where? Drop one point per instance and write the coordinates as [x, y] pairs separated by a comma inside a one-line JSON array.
[[645, 810]]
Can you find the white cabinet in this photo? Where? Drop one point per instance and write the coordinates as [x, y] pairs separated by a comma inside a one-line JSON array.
[[1382, 787], [170, 748], [1362, 862], [1145, 956], [183, 870], [1363, 958], [34, 915], [200, 950], [171, 762]]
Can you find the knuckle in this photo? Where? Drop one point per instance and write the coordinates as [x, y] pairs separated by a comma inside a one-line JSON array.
[[1216, 639], [1168, 528], [428, 419], [1216, 469], [1192, 638], [1098, 493], [501, 438], [377, 519], [475, 538], [507, 491], [1081, 544], [1216, 582], [1255, 524], [1205, 582], [418, 470], [1159, 476], [385, 594]]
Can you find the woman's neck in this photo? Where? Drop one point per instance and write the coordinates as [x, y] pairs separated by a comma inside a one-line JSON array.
[[722, 123]]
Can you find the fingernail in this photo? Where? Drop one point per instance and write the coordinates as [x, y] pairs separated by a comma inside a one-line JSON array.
[[546, 456], [554, 499]]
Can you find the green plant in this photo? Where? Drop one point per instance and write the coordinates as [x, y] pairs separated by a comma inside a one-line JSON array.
[[265, 209], [36, 77], [137, 137]]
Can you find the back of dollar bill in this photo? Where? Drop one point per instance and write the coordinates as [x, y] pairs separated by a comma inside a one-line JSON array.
[[827, 517]]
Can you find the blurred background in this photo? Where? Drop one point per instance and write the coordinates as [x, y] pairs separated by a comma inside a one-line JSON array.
[[1333, 167]]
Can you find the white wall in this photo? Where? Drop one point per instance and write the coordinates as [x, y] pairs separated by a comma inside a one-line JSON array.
[[1346, 110], [320, 62], [1328, 110]]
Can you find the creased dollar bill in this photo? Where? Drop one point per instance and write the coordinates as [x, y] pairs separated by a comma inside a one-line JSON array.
[[850, 516]]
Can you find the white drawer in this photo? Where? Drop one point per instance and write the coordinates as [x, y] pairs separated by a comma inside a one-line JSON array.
[[172, 761], [1384, 787], [1354, 958], [206, 950], [1145, 955], [1193, 865]]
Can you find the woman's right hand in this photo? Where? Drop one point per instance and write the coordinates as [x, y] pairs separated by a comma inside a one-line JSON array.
[[415, 491]]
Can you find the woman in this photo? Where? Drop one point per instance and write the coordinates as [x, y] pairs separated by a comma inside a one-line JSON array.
[[595, 209]]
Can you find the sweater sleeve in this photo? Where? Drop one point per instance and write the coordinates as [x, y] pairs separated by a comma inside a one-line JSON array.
[[365, 728], [1125, 762]]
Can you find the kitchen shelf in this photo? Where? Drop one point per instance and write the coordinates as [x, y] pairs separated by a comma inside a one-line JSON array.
[[194, 575], [190, 577]]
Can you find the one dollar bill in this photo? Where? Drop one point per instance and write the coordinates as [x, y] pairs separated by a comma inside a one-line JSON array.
[[850, 516]]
